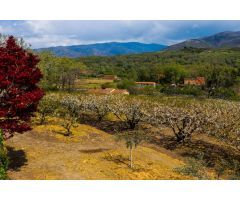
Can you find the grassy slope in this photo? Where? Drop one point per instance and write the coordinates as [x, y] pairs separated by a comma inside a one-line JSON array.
[[90, 83], [44, 153]]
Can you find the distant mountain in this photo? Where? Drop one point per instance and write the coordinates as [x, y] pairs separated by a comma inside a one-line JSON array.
[[226, 39], [104, 49]]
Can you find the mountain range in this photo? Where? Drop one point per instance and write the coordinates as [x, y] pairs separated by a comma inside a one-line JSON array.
[[103, 49], [226, 39]]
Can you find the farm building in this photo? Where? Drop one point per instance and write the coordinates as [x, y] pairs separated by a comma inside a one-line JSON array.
[[195, 81], [108, 91], [144, 84]]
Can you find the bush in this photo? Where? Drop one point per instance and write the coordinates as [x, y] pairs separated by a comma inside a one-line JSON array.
[[194, 168], [125, 84], [3, 159], [224, 93], [186, 90], [108, 85]]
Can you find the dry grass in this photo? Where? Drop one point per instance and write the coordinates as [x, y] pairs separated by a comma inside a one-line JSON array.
[[44, 153], [91, 83]]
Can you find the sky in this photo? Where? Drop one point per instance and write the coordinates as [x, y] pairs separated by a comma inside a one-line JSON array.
[[73, 32]]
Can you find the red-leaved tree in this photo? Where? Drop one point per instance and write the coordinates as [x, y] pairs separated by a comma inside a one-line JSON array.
[[19, 93]]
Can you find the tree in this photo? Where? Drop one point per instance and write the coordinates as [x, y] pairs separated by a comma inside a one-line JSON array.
[[47, 106], [173, 74], [49, 68], [132, 140], [69, 110], [183, 121], [100, 105], [19, 93], [226, 121], [129, 110], [59, 72], [68, 70], [219, 76]]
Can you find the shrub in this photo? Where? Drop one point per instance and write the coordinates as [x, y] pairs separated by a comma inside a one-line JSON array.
[[125, 84], [186, 90], [108, 85], [3, 158], [224, 93], [194, 167]]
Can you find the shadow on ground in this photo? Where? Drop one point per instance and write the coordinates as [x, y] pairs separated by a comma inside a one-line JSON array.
[[93, 150], [17, 158], [212, 154], [110, 127]]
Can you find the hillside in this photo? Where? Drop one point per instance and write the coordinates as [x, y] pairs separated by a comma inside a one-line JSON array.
[[90, 153], [145, 66], [226, 39], [103, 49]]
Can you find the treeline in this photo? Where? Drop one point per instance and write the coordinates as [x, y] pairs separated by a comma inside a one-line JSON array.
[[221, 69], [59, 72], [213, 64]]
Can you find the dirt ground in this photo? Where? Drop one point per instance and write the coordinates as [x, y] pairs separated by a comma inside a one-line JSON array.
[[44, 153]]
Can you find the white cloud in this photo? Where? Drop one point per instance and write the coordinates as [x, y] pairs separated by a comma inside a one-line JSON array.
[[55, 33]]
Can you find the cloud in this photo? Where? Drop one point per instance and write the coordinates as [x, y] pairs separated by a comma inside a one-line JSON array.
[[65, 32]]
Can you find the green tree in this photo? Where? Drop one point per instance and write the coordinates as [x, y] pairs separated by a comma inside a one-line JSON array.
[[59, 72], [173, 74], [132, 140], [48, 66], [219, 76]]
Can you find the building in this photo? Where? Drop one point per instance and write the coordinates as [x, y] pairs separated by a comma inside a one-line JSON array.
[[107, 91], [110, 77], [195, 81], [144, 84]]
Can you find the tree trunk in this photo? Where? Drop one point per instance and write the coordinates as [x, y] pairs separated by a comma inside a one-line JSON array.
[[42, 120], [131, 158], [180, 137]]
